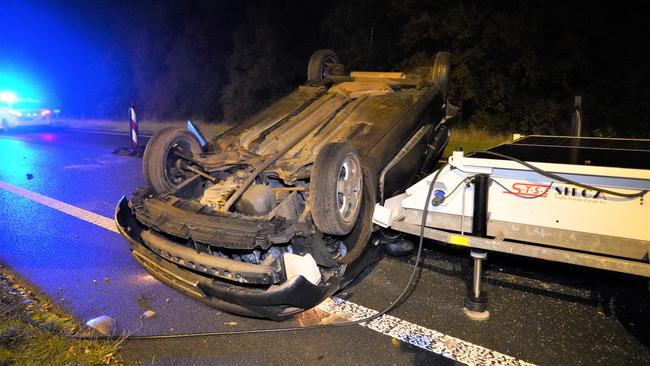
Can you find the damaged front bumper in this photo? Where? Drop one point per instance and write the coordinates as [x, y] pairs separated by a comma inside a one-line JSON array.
[[244, 288]]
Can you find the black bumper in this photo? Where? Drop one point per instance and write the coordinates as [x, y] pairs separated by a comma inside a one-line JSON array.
[[274, 302]]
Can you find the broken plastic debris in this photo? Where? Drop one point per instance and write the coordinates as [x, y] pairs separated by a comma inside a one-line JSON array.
[[149, 314], [230, 323], [30, 176], [302, 265], [335, 318], [103, 324]]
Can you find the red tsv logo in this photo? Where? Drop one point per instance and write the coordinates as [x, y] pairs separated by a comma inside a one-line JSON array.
[[530, 190]]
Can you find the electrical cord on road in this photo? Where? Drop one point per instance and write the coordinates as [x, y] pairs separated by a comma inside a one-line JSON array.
[[409, 283], [368, 319]]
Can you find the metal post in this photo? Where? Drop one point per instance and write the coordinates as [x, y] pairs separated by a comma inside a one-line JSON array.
[[476, 280], [480, 212], [576, 119], [476, 300]]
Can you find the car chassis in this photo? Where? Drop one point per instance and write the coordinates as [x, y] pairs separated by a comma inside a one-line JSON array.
[[274, 215]]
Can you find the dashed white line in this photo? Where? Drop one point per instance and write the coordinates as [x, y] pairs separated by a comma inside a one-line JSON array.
[[419, 336], [416, 335], [77, 212]]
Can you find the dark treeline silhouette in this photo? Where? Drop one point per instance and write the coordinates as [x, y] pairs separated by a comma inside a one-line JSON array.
[[516, 64]]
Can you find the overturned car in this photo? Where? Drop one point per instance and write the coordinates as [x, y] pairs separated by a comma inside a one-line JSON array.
[[274, 215]]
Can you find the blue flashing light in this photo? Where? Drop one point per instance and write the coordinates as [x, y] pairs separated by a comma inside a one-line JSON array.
[[8, 97]]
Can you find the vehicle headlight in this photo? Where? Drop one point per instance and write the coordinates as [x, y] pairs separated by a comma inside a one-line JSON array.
[[8, 97]]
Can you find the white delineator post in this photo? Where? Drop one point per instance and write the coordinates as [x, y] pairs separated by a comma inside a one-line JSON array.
[[133, 119]]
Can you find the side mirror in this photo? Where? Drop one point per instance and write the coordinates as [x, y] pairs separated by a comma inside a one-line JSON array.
[[451, 110]]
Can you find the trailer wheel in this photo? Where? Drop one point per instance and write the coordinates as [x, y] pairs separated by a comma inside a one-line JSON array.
[[336, 188], [319, 63], [162, 158], [440, 71]]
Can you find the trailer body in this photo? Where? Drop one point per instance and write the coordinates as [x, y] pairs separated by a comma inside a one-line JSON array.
[[532, 214]]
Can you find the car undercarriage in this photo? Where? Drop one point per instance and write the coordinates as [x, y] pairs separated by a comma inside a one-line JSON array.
[[274, 215]]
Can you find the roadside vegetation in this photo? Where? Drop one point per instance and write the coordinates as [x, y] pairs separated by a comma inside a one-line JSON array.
[[516, 66], [147, 126], [474, 140], [33, 331], [470, 139]]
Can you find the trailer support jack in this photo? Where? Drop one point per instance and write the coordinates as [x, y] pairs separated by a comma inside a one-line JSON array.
[[476, 300]]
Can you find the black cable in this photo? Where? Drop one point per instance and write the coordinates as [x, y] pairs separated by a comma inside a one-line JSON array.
[[640, 193], [464, 181], [368, 319], [409, 283], [415, 266]]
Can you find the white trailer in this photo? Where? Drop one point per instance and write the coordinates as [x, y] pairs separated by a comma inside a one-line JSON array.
[[575, 200]]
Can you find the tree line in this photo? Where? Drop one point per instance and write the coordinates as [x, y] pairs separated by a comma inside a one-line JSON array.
[[516, 66]]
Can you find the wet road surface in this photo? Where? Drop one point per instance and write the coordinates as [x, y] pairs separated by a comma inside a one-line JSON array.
[[542, 313]]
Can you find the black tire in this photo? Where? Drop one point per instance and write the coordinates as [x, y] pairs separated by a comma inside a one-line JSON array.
[[318, 63], [440, 71], [336, 188], [159, 160]]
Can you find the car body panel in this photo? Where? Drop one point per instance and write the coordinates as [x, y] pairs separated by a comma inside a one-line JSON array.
[[235, 258]]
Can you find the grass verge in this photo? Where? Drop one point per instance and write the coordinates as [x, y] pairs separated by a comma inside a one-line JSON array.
[[469, 139], [474, 140], [32, 331], [148, 127]]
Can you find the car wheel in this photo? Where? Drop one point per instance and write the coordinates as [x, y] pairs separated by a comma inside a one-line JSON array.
[[318, 65], [162, 158], [336, 188], [440, 71], [5, 126]]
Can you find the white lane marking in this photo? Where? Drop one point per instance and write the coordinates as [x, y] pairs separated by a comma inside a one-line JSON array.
[[419, 336], [427, 339], [83, 166], [77, 212]]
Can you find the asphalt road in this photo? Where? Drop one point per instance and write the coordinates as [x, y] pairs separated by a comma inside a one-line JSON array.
[[542, 313]]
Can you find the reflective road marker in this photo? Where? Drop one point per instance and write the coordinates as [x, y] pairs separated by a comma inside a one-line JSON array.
[[418, 336]]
